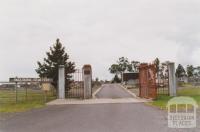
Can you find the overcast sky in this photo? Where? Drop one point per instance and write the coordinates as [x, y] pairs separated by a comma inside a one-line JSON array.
[[97, 32]]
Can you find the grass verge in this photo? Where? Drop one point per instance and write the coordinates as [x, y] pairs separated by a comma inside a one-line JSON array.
[[189, 91], [31, 99], [20, 107]]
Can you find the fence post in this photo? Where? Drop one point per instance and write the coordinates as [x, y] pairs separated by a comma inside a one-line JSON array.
[[61, 82], [172, 78], [26, 93], [45, 96], [16, 92]]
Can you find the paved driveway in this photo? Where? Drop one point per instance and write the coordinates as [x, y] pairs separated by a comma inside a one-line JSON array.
[[134, 117], [121, 117], [113, 91]]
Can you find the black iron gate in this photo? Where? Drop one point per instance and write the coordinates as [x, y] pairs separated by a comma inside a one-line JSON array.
[[163, 80], [76, 88]]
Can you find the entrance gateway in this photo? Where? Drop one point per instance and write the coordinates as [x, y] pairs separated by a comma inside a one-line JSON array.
[[153, 81], [80, 83]]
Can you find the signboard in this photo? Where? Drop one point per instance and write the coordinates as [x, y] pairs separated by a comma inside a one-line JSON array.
[[30, 80], [46, 86]]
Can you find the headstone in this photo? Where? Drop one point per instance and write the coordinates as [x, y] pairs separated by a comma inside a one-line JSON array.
[[61, 82], [172, 79], [87, 79]]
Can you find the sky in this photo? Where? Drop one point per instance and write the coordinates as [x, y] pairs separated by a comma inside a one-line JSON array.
[[97, 32]]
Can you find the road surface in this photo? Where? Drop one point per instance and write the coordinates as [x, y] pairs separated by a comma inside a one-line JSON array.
[[113, 91], [122, 117]]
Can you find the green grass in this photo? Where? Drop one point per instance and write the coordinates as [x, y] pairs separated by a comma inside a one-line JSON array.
[[34, 99], [189, 91], [20, 107]]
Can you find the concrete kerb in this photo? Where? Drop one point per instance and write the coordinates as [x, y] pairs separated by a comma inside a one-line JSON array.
[[94, 94], [95, 101], [147, 100], [128, 91]]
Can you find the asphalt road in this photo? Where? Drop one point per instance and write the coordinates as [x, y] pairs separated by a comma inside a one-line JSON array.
[[113, 91], [128, 117], [91, 118]]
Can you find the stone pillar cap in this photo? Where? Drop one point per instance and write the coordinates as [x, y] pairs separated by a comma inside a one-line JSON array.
[[168, 62], [87, 66]]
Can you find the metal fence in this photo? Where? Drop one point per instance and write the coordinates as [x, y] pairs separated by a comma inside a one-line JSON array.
[[76, 88], [162, 80], [147, 80], [154, 81], [12, 93]]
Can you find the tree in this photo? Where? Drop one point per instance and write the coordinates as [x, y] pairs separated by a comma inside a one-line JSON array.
[[114, 69], [157, 63], [121, 66], [96, 79], [180, 71], [49, 67], [135, 65], [190, 70], [116, 79], [197, 71]]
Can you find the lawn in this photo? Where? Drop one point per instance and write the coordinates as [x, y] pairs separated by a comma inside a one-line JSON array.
[[188, 90], [26, 100], [20, 107]]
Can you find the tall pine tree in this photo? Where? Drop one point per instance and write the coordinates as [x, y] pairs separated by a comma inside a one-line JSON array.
[[180, 71], [49, 67]]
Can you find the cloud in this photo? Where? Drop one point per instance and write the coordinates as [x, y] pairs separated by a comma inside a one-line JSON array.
[[188, 32], [97, 32]]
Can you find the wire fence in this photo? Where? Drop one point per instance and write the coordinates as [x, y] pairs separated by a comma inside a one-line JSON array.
[[15, 94]]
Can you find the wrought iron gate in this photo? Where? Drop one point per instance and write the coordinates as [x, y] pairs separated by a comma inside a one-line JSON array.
[[147, 80], [76, 88], [153, 80], [162, 79]]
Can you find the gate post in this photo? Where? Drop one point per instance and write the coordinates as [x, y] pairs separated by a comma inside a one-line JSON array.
[[61, 82], [87, 81], [172, 78]]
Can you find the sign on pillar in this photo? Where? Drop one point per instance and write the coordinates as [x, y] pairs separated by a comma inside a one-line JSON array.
[[172, 79], [61, 82], [87, 80]]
